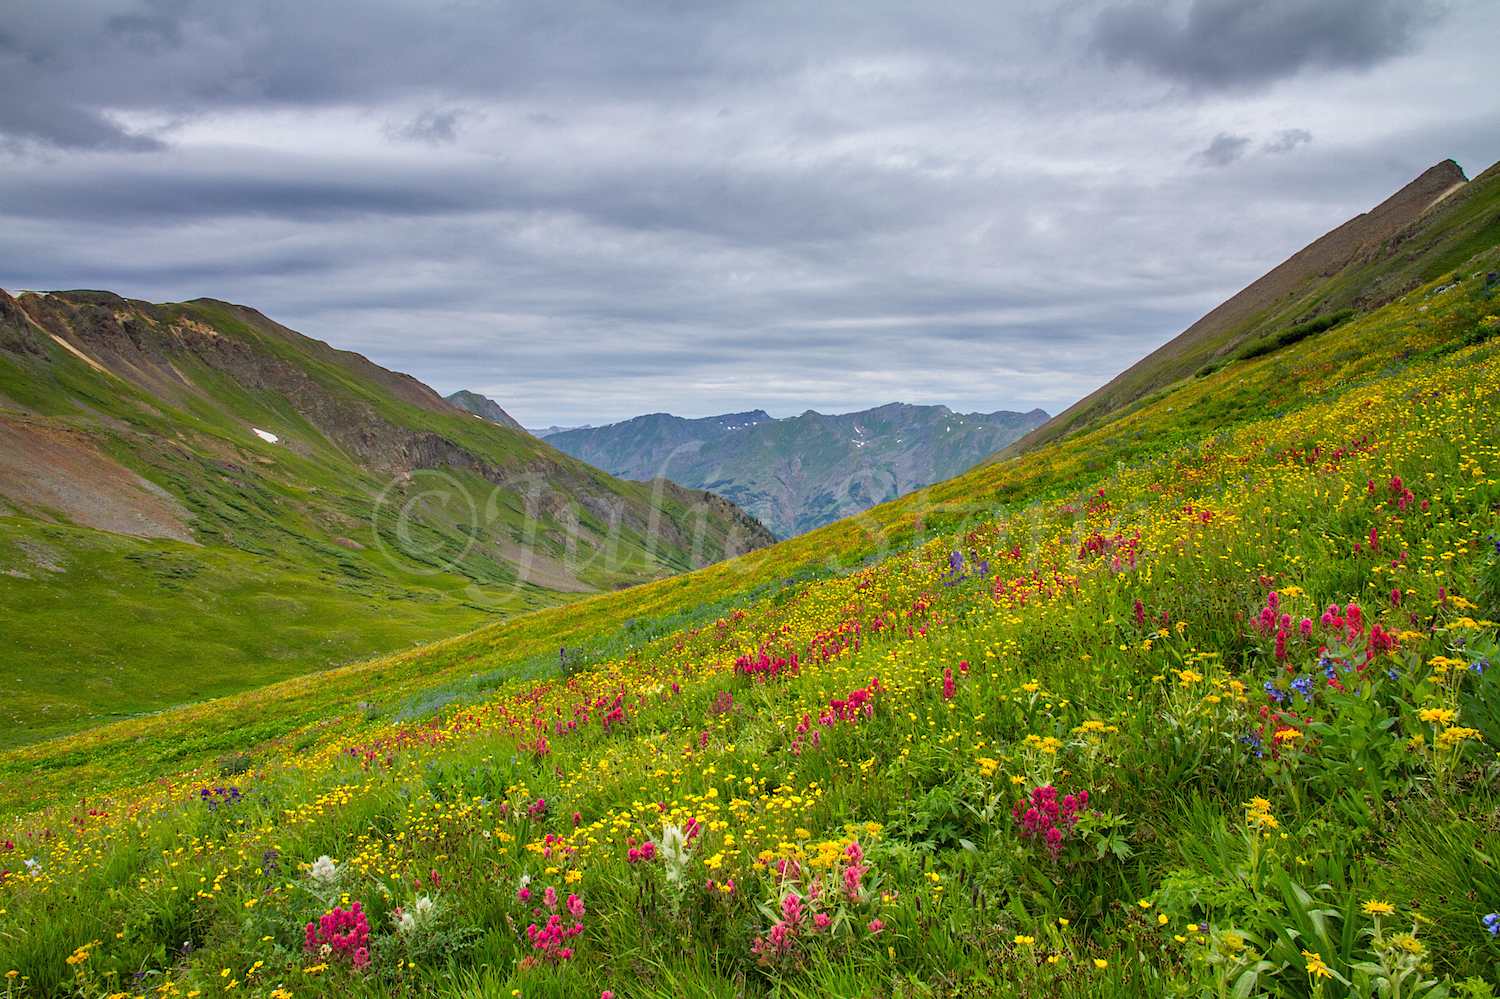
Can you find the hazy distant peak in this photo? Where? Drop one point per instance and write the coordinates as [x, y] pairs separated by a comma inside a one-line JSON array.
[[554, 429], [485, 407]]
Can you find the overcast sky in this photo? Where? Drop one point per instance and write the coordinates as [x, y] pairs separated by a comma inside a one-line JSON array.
[[590, 210]]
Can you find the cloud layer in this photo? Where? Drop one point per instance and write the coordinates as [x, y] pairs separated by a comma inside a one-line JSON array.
[[594, 210], [1228, 43]]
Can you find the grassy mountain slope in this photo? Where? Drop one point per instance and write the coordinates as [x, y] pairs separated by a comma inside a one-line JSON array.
[[145, 523], [1426, 229], [807, 471], [1252, 619]]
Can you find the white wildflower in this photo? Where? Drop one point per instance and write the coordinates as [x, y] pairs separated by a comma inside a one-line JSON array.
[[674, 851], [324, 869]]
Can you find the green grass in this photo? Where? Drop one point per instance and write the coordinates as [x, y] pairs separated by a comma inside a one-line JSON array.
[[131, 626]]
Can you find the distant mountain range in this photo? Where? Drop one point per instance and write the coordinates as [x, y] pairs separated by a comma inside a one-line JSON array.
[[554, 429], [806, 471], [646, 445]]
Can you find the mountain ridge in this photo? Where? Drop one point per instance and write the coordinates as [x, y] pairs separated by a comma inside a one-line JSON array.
[[485, 408], [1409, 238], [805, 471]]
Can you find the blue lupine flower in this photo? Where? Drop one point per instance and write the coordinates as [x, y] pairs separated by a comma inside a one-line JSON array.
[[1303, 686], [1480, 665], [1276, 694], [1492, 923]]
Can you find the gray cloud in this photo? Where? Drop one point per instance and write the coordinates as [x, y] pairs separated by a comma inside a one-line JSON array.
[[1224, 150], [27, 119], [1224, 43], [1286, 140], [192, 56], [431, 126], [592, 210]]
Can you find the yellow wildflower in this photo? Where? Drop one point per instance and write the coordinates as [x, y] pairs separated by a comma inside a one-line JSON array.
[[1315, 967]]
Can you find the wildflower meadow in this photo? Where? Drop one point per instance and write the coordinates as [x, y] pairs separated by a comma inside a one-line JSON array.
[[1199, 703]]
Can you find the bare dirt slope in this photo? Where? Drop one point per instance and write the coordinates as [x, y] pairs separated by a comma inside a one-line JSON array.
[[45, 471]]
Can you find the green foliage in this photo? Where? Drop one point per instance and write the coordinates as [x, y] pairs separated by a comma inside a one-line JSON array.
[[1292, 334]]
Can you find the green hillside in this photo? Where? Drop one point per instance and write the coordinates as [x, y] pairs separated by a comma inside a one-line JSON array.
[[154, 549]]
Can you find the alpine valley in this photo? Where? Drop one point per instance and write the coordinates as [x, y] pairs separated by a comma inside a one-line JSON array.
[[1188, 692]]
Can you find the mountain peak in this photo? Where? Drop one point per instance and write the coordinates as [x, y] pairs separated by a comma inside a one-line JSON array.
[[484, 407]]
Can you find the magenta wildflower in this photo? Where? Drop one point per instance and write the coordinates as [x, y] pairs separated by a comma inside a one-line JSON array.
[[345, 932]]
